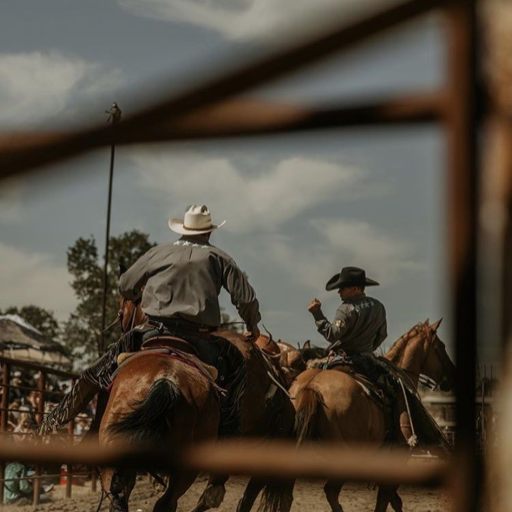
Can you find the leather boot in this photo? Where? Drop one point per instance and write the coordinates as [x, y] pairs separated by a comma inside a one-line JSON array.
[[70, 406], [403, 425]]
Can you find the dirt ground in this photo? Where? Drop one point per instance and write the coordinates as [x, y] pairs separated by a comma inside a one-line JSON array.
[[308, 496]]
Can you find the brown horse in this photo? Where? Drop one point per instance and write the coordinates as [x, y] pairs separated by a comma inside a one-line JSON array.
[[164, 401], [261, 417], [332, 406]]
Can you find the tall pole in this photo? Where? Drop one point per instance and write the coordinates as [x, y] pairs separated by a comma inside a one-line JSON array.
[[114, 117]]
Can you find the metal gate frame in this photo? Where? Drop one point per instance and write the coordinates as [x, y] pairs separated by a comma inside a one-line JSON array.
[[207, 111]]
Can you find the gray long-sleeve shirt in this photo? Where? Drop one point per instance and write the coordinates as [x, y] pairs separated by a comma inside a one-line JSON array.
[[360, 324], [184, 279]]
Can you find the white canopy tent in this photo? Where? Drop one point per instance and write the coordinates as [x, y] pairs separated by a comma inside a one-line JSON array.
[[21, 341]]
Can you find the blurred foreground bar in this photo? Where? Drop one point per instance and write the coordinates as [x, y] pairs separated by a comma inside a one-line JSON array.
[[275, 460]]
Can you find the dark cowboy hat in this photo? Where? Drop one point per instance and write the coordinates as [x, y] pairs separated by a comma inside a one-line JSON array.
[[349, 276]]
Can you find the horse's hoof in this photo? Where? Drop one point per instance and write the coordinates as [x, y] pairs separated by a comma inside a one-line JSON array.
[[244, 505], [213, 496]]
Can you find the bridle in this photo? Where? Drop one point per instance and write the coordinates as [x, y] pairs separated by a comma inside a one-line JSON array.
[[433, 343]]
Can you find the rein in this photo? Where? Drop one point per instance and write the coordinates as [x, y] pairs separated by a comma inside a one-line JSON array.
[[423, 379]]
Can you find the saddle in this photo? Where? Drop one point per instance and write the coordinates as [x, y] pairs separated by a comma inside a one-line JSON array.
[[343, 363]]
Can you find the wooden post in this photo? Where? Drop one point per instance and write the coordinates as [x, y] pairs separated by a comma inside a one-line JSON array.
[[38, 481], [4, 415]]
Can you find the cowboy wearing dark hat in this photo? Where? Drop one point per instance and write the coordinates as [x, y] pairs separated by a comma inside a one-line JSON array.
[[360, 323], [359, 328]]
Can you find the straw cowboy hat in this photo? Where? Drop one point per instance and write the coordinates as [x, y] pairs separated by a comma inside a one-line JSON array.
[[197, 221], [350, 276]]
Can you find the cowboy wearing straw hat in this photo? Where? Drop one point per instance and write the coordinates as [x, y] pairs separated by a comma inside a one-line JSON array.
[[180, 284]]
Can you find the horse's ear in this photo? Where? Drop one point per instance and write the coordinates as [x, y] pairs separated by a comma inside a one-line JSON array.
[[122, 269], [436, 325], [306, 345]]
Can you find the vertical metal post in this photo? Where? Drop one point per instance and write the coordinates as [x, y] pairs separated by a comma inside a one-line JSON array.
[[94, 479], [69, 472], [462, 201], [38, 482], [115, 117], [4, 415]]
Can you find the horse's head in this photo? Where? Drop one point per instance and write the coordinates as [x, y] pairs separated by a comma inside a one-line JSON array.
[[291, 361], [421, 351], [438, 366]]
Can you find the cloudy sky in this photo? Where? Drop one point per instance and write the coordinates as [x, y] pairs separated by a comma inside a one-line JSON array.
[[298, 208]]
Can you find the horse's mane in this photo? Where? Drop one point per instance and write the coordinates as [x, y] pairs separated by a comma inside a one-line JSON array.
[[399, 345]]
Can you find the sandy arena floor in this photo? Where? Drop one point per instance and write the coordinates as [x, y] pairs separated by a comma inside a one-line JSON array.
[[308, 497]]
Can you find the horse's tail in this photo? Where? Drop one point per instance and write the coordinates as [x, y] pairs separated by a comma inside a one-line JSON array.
[[278, 496], [148, 421], [308, 400]]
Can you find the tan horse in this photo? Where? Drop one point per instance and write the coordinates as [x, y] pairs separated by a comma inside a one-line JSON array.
[[332, 406], [160, 400], [261, 418]]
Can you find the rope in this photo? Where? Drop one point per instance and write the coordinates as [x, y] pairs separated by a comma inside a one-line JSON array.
[[413, 440], [279, 385], [104, 494]]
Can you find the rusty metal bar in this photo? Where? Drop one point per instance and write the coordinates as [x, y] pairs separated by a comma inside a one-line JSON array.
[[37, 367], [69, 466], [273, 459], [463, 180], [4, 416], [40, 412], [259, 71], [245, 118]]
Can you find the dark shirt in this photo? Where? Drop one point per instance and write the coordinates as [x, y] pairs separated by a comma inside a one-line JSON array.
[[184, 279], [360, 325]]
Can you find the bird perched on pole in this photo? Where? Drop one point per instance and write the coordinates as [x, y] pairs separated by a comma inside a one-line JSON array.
[[115, 113]]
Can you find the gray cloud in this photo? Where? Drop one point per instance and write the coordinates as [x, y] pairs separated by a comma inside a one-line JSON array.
[[34, 278], [359, 243], [244, 19], [38, 85], [262, 200]]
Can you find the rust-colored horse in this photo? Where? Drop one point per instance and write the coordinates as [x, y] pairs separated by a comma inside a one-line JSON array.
[[161, 400], [332, 406], [261, 417]]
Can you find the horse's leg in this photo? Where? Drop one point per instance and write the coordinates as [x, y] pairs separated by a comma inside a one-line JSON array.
[[385, 496], [251, 492], [396, 503], [332, 491], [213, 494], [176, 488], [121, 486]]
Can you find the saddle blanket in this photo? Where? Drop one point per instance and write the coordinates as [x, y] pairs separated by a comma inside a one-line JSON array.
[[206, 370]]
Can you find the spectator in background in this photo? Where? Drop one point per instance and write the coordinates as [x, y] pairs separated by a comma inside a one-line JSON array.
[[82, 424], [23, 430], [14, 407], [16, 381], [33, 400]]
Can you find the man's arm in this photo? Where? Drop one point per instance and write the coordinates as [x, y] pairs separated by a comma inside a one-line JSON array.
[[382, 331], [242, 294], [334, 331], [131, 282]]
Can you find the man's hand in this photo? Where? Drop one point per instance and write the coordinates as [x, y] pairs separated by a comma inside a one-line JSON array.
[[315, 306], [254, 334]]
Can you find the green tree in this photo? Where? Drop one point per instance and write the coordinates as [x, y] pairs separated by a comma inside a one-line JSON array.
[[42, 319], [82, 331]]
